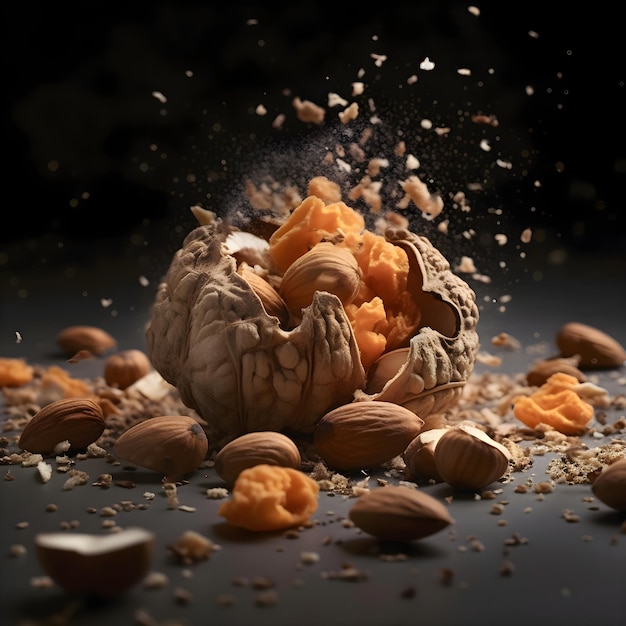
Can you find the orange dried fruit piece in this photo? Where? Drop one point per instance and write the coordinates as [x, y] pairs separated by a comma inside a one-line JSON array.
[[555, 404], [15, 372], [57, 379], [267, 497]]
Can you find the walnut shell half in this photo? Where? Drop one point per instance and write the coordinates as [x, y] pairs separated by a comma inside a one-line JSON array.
[[210, 336]]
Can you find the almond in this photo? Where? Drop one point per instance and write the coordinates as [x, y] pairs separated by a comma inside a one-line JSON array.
[[539, 373], [595, 348], [77, 420], [75, 338], [250, 449], [172, 445], [325, 267], [399, 513], [365, 434]]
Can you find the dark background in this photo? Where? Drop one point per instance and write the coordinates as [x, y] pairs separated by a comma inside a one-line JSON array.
[[79, 83]]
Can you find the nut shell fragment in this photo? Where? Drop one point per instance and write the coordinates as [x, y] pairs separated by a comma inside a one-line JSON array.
[[95, 565], [399, 513]]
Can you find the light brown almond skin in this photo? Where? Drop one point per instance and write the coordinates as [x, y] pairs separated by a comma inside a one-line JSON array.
[[365, 434], [596, 349], [325, 267], [250, 449], [92, 338], [172, 445], [399, 513], [610, 485], [77, 420]]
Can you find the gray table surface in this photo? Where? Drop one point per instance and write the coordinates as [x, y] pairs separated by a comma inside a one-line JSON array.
[[564, 573]]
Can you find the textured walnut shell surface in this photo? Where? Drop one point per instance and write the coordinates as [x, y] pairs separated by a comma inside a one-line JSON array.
[[210, 336], [440, 356]]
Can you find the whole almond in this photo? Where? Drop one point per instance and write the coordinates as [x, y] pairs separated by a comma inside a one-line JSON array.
[[77, 420], [250, 449], [595, 348], [75, 338], [325, 267], [365, 434], [399, 513], [172, 445]]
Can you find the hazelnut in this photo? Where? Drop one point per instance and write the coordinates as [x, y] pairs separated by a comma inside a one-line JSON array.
[[610, 485], [124, 368], [467, 458]]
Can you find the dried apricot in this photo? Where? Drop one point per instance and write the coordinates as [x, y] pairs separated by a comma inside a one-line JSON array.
[[267, 497], [555, 404], [15, 372]]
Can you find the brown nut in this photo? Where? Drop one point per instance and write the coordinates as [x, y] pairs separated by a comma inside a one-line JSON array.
[[419, 456], [75, 338], [364, 434], [399, 513], [595, 348], [325, 267], [467, 458], [173, 445], [124, 368], [270, 298], [610, 485], [267, 447], [94, 565], [77, 420], [539, 373]]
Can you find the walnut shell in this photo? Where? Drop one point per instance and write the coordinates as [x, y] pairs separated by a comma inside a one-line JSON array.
[[210, 336]]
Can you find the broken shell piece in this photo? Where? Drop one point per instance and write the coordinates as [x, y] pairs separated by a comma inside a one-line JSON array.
[[419, 456], [96, 565]]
